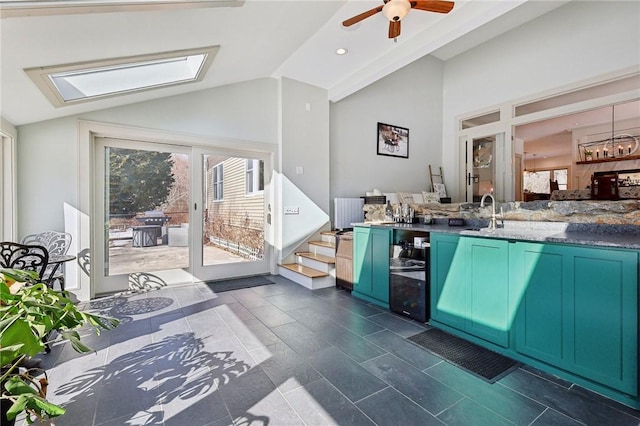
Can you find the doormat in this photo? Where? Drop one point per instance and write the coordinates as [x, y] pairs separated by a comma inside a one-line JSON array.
[[482, 362], [238, 283]]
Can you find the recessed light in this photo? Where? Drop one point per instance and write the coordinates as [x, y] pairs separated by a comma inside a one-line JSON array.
[[341, 51]]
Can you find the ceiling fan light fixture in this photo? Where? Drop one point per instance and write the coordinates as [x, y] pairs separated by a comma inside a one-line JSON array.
[[395, 10]]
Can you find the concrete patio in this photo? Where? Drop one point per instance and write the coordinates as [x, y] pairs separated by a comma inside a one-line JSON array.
[[124, 258]]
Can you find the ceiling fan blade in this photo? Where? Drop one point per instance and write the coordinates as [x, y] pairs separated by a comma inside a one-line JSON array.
[[433, 6], [394, 29], [363, 15]]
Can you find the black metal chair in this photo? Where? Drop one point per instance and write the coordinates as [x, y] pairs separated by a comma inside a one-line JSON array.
[[24, 256]]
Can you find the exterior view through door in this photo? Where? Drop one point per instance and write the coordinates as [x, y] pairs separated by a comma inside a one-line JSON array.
[[159, 232]]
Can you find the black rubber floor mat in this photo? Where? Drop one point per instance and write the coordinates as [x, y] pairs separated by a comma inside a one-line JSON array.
[[238, 283], [475, 359]]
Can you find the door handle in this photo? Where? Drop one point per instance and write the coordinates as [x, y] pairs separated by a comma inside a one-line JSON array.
[[195, 206], [469, 178]]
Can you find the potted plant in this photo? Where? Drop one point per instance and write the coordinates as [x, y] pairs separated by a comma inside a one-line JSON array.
[[29, 313], [588, 154]]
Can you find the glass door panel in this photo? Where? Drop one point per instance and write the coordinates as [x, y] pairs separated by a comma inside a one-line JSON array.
[[480, 167], [145, 199], [232, 218]]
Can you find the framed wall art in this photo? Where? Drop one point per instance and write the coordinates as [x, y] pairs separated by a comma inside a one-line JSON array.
[[393, 141]]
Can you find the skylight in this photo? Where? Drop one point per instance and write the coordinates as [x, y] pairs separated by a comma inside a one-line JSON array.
[[73, 83]]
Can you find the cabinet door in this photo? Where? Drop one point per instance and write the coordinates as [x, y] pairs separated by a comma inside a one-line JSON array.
[[539, 295], [488, 289], [371, 265], [577, 309], [448, 282], [362, 261], [602, 318], [380, 243]]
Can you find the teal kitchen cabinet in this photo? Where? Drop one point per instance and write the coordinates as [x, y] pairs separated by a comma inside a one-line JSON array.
[[577, 309], [371, 264], [488, 289], [447, 280], [470, 286], [539, 297]]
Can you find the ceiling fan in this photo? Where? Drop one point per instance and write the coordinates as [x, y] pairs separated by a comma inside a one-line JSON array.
[[395, 10]]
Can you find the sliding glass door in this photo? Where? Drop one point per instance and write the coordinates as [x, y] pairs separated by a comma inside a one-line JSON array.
[[171, 214]]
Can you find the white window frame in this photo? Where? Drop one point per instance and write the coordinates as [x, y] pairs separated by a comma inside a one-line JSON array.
[[217, 185], [8, 207], [505, 188], [253, 180]]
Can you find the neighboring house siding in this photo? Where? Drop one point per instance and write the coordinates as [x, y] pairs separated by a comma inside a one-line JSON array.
[[237, 207]]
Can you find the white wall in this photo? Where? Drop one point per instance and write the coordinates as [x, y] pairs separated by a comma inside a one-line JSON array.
[[305, 139], [411, 98], [48, 160], [576, 42], [304, 155]]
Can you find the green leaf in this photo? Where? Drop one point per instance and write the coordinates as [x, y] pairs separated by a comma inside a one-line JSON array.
[[9, 353], [20, 275], [17, 407], [21, 332], [16, 386], [52, 410]]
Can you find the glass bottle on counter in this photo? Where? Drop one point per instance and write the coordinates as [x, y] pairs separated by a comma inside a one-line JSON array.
[[388, 213]]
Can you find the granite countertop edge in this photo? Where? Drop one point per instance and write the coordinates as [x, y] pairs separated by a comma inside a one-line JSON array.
[[593, 235]]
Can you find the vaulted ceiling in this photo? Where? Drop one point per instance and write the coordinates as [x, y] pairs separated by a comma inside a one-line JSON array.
[[257, 38]]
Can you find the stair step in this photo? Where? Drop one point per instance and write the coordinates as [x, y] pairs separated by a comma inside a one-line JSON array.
[[319, 257], [303, 270], [323, 244]]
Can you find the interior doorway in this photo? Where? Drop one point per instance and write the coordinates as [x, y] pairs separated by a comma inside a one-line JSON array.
[[481, 169]]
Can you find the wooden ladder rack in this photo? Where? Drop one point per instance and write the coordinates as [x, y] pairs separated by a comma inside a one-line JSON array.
[[431, 176]]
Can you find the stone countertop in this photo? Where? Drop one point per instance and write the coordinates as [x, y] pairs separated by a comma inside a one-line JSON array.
[[613, 236]]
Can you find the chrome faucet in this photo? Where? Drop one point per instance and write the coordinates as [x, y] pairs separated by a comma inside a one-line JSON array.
[[493, 224]]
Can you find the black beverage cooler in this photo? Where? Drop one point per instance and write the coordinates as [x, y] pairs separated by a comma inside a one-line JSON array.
[[409, 283]]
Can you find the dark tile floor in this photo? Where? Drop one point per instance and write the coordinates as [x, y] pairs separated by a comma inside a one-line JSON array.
[[283, 355]]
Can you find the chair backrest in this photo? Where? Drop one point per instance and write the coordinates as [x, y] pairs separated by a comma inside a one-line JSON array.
[[57, 243], [25, 257], [553, 185]]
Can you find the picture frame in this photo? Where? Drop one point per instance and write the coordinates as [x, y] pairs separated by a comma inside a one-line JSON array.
[[392, 141], [440, 189]]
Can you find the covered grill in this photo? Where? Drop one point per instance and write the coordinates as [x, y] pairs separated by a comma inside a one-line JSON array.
[[154, 217]]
